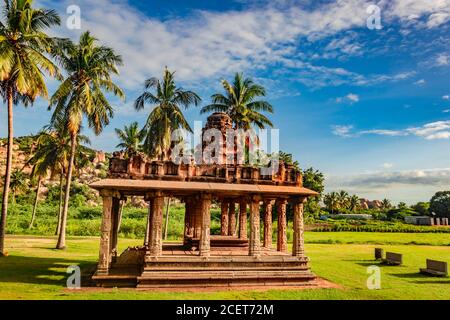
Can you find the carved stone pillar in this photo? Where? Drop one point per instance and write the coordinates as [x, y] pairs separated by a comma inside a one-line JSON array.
[[205, 237], [268, 207], [232, 219], [149, 224], [224, 218], [282, 225], [105, 238], [156, 213], [254, 241], [243, 219], [115, 219], [298, 247]]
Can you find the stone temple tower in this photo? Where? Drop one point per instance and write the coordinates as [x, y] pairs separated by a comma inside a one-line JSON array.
[[221, 122]]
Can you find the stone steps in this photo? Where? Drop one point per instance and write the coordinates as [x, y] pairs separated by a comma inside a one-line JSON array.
[[127, 281], [219, 273], [224, 269], [210, 278], [204, 274]]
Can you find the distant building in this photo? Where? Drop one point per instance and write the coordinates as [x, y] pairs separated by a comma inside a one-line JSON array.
[[418, 220]]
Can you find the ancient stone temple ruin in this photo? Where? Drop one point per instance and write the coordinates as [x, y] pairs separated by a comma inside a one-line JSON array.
[[242, 255]]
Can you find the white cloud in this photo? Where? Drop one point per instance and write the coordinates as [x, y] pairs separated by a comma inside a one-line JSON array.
[[446, 97], [211, 45], [442, 60], [388, 165], [437, 19], [435, 12], [391, 133], [446, 110], [351, 97], [409, 185], [342, 131], [420, 82], [430, 131], [346, 45]]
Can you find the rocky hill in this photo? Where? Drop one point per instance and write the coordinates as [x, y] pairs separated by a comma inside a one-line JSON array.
[[95, 169], [367, 204]]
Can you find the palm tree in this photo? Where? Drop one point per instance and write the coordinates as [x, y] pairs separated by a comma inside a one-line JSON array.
[[331, 201], [51, 155], [46, 157], [23, 45], [131, 138], [19, 182], [402, 206], [52, 152], [166, 115], [89, 68], [240, 103], [353, 203], [36, 178], [343, 200], [386, 204]]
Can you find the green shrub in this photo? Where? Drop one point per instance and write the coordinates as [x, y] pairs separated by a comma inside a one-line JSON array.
[[89, 213], [77, 200]]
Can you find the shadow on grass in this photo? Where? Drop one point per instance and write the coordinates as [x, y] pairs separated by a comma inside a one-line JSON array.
[[419, 276], [367, 263], [415, 275], [43, 271]]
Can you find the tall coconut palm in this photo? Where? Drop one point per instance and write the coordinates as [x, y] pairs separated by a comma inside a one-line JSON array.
[[131, 138], [343, 199], [331, 201], [89, 68], [36, 179], [46, 157], [386, 204], [241, 104], [23, 64], [51, 156], [353, 203], [166, 116], [19, 183]]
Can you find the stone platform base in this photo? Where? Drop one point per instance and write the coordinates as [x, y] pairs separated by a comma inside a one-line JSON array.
[[224, 268], [224, 272]]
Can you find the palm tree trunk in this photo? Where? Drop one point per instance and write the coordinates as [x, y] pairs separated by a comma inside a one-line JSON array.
[[167, 219], [61, 193], [9, 154], [62, 234], [33, 216]]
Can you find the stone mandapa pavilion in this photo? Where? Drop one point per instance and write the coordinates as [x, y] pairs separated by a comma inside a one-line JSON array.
[[237, 257]]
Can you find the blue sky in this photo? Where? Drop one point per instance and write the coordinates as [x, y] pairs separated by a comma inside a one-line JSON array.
[[369, 108]]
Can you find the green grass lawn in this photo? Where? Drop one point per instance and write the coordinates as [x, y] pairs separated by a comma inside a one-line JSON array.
[[34, 270]]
